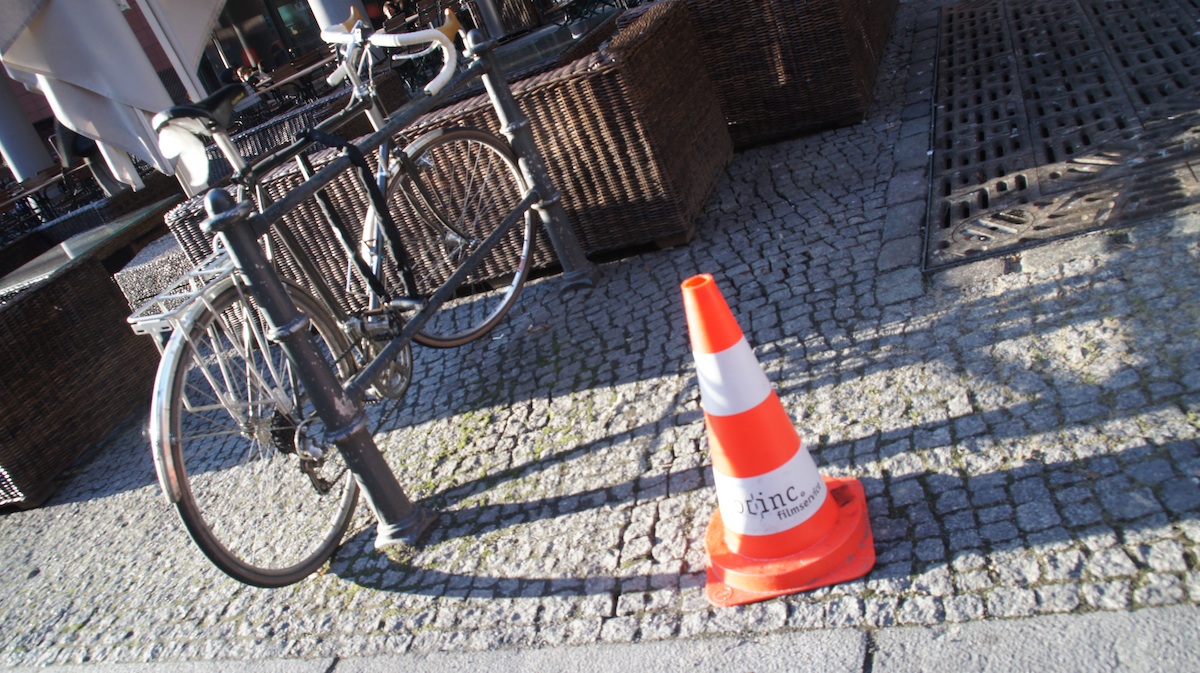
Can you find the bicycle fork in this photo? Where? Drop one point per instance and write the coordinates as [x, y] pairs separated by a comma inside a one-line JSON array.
[[399, 519]]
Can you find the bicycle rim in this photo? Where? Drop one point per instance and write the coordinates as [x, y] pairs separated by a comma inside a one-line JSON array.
[[474, 183], [233, 408]]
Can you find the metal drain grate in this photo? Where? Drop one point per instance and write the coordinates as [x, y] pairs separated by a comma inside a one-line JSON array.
[[1058, 118]]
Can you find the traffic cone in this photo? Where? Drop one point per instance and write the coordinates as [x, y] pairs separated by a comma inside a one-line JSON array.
[[780, 527]]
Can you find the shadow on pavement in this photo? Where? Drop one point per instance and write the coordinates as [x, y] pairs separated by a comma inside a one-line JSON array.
[[1009, 509]]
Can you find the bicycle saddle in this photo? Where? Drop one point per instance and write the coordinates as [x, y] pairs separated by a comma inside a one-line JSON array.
[[213, 112]]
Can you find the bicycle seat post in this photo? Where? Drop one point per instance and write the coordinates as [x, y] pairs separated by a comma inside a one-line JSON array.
[[400, 520], [229, 151]]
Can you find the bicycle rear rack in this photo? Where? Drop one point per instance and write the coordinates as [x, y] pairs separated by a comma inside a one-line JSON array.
[[164, 312]]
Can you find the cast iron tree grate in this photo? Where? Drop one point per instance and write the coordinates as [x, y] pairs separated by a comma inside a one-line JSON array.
[[1055, 119]]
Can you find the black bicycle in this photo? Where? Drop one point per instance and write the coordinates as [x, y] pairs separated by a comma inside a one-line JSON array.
[[257, 426]]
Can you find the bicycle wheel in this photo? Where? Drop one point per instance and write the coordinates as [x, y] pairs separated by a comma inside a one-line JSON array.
[[473, 182], [228, 427]]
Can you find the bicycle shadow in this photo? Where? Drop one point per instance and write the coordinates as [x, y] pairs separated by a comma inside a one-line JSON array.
[[630, 328], [804, 364], [1101, 373], [547, 355], [122, 462], [917, 529]]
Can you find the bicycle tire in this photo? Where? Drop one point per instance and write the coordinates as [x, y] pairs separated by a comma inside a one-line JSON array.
[[224, 411], [474, 177]]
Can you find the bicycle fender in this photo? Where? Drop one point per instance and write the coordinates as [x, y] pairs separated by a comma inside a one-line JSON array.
[[163, 445], [424, 139]]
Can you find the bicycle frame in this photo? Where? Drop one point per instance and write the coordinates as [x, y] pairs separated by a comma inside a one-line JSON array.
[[249, 176], [341, 407], [376, 226]]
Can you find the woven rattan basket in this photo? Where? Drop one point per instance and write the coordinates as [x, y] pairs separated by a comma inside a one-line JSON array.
[[73, 371], [785, 67], [317, 242], [516, 16], [305, 221], [632, 135]]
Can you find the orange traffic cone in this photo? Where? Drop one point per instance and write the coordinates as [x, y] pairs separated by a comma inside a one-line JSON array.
[[780, 527]]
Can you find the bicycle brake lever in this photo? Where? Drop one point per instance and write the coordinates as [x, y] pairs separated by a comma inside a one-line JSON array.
[[451, 25]]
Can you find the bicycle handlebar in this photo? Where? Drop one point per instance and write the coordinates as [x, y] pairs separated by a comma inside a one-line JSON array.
[[443, 37], [181, 137]]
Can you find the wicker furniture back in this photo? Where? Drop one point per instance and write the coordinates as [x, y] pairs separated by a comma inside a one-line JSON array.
[[632, 135], [34, 243], [311, 232], [72, 371], [516, 16], [273, 133], [785, 67], [317, 242], [307, 222]]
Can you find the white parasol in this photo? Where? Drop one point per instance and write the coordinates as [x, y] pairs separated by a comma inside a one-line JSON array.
[[83, 56], [183, 28]]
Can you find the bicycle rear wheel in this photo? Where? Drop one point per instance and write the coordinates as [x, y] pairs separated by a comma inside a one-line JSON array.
[[473, 182], [226, 419]]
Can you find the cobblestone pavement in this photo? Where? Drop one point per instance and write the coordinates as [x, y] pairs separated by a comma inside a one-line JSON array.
[[1026, 431]]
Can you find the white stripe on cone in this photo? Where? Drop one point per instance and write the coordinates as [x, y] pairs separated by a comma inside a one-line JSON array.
[[731, 381], [773, 502]]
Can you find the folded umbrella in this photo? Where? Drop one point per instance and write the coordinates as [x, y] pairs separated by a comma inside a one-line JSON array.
[[83, 56], [183, 28]]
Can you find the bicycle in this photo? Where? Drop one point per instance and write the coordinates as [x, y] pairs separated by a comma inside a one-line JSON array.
[[260, 381], [440, 150]]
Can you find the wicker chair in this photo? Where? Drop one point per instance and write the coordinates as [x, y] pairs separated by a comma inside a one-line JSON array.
[[517, 16], [72, 371], [274, 132], [785, 67], [632, 135], [306, 222]]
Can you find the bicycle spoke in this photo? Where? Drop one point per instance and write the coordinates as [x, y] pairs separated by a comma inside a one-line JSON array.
[[248, 498], [472, 181]]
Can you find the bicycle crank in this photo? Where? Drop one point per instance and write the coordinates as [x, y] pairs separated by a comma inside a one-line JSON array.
[[312, 457]]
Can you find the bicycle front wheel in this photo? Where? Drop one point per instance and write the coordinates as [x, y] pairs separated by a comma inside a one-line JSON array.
[[469, 183], [230, 427]]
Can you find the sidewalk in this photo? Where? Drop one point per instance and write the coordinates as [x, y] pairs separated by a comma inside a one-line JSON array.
[[1056, 644], [1025, 428]]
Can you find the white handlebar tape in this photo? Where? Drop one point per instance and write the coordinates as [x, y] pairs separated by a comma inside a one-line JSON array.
[[428, 36]]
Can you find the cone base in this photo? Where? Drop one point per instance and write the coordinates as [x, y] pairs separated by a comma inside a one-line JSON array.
[[847, 552]]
